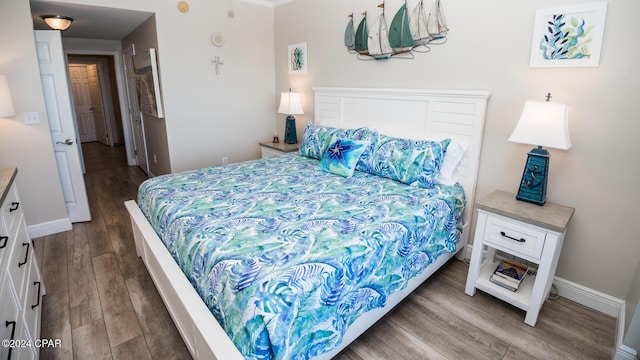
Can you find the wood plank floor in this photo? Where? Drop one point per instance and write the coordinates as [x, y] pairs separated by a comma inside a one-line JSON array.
[[102, 303]]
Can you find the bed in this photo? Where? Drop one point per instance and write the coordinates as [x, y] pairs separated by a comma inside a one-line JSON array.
[[304, 250]]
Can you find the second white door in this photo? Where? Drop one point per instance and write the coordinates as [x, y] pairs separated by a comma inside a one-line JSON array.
[[55, 84]]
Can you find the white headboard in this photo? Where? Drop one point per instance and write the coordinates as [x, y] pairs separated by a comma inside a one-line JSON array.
[[414, 114]]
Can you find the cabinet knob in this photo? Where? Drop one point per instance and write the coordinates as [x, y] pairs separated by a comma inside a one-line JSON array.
[[14, 206]]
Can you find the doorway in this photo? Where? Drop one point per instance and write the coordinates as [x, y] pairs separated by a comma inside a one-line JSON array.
[[97, 102], [96, 99]]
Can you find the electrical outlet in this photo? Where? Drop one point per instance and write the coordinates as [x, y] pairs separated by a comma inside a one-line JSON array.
[[225, 160]]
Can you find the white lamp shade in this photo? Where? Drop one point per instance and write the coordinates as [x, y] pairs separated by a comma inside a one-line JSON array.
[[6, 101], [290, 103], [543, 124]]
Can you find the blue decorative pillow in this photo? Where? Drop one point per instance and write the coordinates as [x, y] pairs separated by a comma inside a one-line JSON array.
[[413, 162], [341, 156], [316, 138]]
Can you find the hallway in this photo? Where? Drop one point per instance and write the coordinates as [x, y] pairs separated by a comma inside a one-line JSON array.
[[100, 300], [98, 157]]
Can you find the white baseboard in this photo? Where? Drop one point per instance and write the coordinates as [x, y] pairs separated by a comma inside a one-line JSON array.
[[588, 297], [623, 352], [598, 301], [49, 228]]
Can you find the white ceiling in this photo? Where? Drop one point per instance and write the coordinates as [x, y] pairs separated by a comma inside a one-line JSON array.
[[96, 22]]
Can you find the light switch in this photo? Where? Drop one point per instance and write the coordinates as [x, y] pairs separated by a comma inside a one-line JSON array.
[[31, 118]]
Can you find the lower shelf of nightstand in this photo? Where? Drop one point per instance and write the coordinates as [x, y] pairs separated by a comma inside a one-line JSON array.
[[519, 298]]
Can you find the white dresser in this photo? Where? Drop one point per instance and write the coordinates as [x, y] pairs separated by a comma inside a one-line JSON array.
[[21, 287]]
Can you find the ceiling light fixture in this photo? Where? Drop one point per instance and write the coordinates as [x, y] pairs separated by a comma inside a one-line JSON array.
[[57, 22]]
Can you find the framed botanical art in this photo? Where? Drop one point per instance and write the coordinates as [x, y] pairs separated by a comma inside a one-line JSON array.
[[568, 35], [297, 58], [145, 68]]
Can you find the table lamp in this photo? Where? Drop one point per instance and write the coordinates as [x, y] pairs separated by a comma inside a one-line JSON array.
[[290, 105], [542, 124], [6, 101]]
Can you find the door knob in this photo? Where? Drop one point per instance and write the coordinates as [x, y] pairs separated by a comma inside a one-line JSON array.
[[66, 142]]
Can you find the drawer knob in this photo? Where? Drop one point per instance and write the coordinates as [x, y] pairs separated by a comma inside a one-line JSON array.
[[4, 240], [521, 240], [14, 206]]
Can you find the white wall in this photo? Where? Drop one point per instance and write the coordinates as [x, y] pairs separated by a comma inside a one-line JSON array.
[[488, 48], [27, 147], [211, 115]]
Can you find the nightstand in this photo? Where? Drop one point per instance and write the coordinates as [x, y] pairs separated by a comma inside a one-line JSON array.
[[523, 230], [273, 149]]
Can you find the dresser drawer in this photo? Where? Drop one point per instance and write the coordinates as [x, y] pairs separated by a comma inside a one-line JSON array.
[[6, 245], [32, 302], [514, 237], [9, 315], [11, 209], [20, 261]]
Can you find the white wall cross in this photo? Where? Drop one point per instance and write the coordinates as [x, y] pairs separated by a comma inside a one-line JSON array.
[[217, 62]]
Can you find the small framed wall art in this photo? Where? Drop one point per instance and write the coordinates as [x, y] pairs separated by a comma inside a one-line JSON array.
[[568, 35], [297, 58]]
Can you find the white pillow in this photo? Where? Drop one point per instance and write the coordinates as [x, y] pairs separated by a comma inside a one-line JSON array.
[[449, 170]]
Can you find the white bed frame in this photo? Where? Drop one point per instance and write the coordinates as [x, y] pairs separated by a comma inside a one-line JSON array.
[[408, 113]]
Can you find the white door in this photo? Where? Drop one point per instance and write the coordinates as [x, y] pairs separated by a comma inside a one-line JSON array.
[[81, 102], [95, 97], [55, 84], [137, 127]]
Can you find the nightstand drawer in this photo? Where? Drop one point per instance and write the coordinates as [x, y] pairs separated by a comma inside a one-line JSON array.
[[266, 152], [509, 235]]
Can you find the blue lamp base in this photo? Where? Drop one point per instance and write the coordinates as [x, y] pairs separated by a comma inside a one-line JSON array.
[[533, 186], [290, 135]]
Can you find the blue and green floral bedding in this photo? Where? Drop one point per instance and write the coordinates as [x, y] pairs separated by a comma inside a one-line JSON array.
[[287, 256]]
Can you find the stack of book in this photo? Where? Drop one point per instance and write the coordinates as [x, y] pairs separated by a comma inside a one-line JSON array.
[[509, 274]]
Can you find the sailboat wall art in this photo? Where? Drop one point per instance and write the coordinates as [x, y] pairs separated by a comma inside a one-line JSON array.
[[409, 31]]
